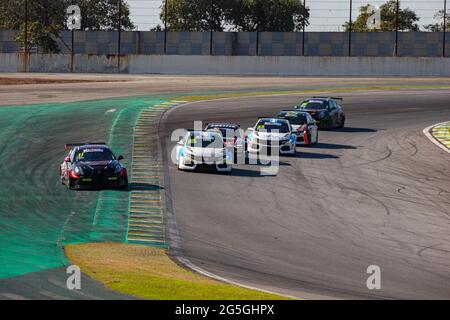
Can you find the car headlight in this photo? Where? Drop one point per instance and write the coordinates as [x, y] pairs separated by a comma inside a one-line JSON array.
[[118, 169], [186, 153], [293, 138], [79, 171]]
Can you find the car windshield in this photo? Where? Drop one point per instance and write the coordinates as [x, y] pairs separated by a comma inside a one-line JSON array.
[[87, 155], [294, 118], [198, 140], [313, 105], [227, 133], [273, 127]]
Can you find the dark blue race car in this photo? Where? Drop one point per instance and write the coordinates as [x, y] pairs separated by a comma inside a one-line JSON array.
[[326, 111], [92, 165]]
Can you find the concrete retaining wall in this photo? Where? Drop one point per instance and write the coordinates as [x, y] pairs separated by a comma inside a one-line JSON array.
[[231, 65], [380, 44]]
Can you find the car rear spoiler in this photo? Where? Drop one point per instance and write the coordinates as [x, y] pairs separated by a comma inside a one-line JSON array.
[[72, 145], [334, 98]]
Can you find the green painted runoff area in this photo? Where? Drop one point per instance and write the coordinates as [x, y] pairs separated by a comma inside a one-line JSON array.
[[38, 215]]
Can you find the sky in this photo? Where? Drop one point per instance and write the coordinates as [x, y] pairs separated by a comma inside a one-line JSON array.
[[326, 15]]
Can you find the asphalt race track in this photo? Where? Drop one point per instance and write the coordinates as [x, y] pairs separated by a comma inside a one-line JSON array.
[[374, 193]]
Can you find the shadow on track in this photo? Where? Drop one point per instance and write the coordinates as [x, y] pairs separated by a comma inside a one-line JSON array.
[[355, 130], [143, 186], [264, 163], [310, 155], [331, 146], [250, 173]]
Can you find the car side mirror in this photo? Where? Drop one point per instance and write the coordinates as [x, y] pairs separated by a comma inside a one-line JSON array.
[[67, 159], [120, 158], [180, 143]]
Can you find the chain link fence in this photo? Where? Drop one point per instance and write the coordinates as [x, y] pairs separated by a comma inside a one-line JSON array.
[[227, 27]]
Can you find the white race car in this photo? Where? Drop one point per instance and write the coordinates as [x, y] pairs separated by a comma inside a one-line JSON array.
[[203, 150], [304, 126], [270, 134]]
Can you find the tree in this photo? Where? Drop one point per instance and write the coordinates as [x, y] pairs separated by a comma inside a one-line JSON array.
[[103, 14], [195, 15], [39, 35], [46, 19], [269, 15], [406, 19], [240, 15], [439, 26]]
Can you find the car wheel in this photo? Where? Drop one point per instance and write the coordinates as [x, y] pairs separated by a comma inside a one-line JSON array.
[[342, 122], [309, 140], [125, 184], [317, 139], [235, 156], [293, 154], [330, 125], [70, 184], [61, 177]]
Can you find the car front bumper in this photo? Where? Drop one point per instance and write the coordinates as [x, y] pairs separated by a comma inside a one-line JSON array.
[[87, 182], [193, 165], [265, 147], [303, 139]]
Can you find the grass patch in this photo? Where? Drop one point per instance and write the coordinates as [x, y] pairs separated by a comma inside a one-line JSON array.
[[215, 96], [147, 272]]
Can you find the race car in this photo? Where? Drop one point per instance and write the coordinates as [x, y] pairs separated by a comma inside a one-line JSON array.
[[203, 150], [92, 165], [325, 110], [271, 134], [303, 124], [233, 137]]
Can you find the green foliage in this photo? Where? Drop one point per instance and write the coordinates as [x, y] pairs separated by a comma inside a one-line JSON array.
[[46, 19], [239, 15], [194, 15], [39, 35], [439, 26], [103, 14], [269, 15], [406, 19]]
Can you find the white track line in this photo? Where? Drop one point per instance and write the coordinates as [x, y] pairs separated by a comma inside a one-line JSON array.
[[190, 265]]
